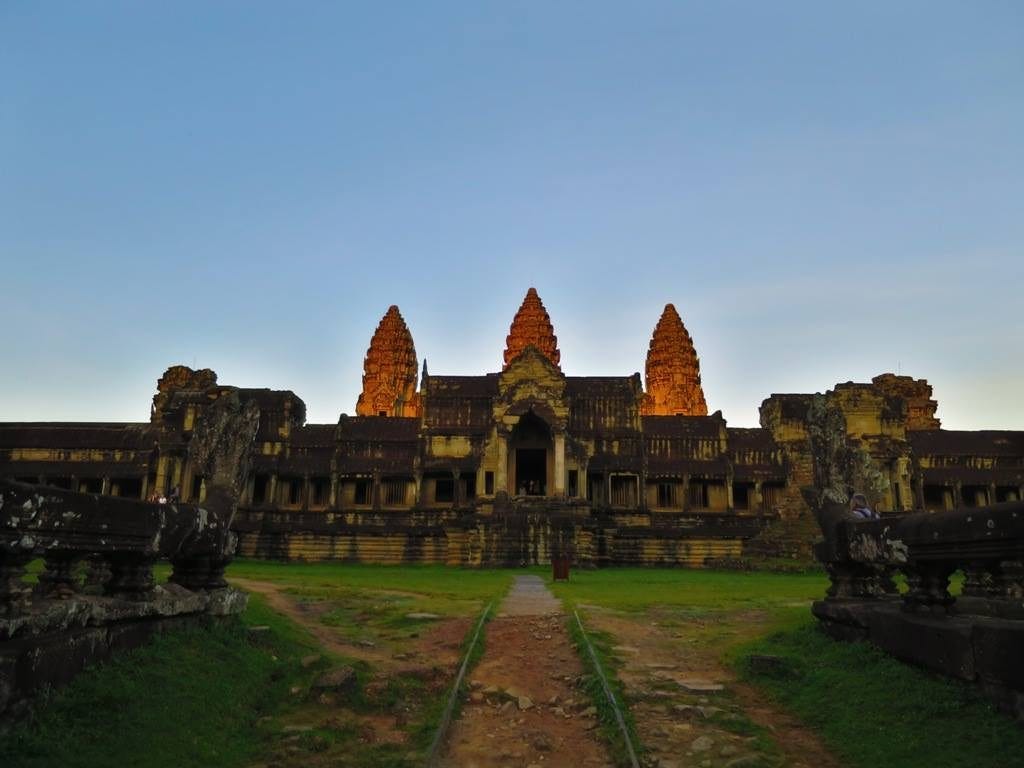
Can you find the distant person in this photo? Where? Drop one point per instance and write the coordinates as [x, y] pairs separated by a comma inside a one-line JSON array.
[[175, 496], [859, 507]]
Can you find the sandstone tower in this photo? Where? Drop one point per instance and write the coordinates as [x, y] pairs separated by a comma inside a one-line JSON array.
[[532, 327], [389, 370], [918, 395], [673, 372]]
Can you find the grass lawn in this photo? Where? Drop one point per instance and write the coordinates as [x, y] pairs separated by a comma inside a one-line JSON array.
[[870, 710], [428, 582], [215, 697], [639, 589], [194, 697], [873, 710]]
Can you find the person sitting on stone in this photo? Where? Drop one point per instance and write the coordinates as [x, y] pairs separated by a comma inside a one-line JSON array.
[[859, 507]]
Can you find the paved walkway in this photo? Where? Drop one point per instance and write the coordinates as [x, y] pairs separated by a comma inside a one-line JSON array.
[[525, 707], [529, 597]]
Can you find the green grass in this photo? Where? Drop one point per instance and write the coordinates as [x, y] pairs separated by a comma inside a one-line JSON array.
[[428, 582], [637, 589], [873, 710], [189, 698]]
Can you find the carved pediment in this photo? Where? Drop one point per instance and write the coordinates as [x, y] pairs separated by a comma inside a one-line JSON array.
[[531, 382]]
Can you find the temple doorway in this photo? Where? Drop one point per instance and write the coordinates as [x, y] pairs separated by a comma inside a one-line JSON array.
[[530, 454], [531, 471]]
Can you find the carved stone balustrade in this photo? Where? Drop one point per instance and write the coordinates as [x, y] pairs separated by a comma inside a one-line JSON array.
[[96, 594], [127, 536], [978, 636]]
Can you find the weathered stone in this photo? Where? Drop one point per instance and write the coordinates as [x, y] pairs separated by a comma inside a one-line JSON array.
[[338, 679], [699, 686], [702, 744]]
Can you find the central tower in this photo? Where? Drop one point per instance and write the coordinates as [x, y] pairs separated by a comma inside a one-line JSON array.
[[532, 327]]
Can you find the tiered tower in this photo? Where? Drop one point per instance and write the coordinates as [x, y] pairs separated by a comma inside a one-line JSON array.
[[389, 370], [673, 371], [532, 327]]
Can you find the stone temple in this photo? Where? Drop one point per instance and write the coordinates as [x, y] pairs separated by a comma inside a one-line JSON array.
[[526, 463]]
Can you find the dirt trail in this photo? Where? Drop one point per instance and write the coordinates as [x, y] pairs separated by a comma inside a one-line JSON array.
[[689, 709], [524, 707], [430, 658], [438, 644]]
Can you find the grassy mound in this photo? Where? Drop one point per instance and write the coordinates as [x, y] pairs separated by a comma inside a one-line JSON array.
[[873, 710], [189, 698]]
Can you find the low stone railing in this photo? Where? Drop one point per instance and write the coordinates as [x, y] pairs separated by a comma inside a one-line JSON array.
[[121, 538], [70, 619], [977, 636]]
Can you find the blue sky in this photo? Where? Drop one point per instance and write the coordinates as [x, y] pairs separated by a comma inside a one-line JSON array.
[[825, 192]]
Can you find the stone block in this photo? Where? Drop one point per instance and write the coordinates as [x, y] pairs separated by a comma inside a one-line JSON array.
[[999, 652], [848, 620], [53, 661], [940, 644]]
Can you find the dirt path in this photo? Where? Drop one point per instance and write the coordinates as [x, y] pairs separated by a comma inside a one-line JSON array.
[[429, 658], [524, 707], [438, 644], [689, 709]]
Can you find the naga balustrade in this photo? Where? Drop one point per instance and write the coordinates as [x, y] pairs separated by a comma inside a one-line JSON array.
[[120, 538], [986, 543], [978, 636]]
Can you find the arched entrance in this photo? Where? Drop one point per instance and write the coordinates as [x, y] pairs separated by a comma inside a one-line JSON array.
[[530, 456]]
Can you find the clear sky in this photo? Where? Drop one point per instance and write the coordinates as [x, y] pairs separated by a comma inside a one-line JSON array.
[[826, 191]]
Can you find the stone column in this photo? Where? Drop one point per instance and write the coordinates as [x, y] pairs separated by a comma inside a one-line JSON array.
[[457, 488], [757, 503], [334, 490], [559, 464], [272, 490], [375, 491], [958, 495], [417, 489], [105, 487], [161, 473], [501, 473], [991, 494]]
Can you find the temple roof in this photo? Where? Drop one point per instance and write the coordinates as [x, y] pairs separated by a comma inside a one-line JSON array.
[[378, 428], [708, 427], [464, 386], [600, 386], [56, 434], [954, 442], [532, 327]]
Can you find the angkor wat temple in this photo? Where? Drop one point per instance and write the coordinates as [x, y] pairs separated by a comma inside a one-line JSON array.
[[522, 464]]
